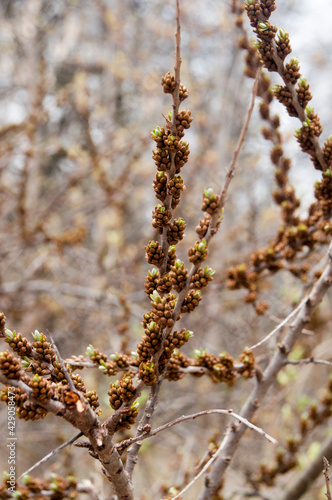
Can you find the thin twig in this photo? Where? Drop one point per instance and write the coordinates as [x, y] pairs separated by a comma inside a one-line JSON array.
[[306, 361], [327, 478], [277, 320], [50, 455], [63, 367], [183, 418], [193, 416], [230, 173], [223, 198], [145, 420], [206, 466], [281, 324]]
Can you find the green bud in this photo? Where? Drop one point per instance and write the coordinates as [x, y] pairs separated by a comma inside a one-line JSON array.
[[157, 132], [10, 334], [38, 336], [209, 193], [294, 61], [149, 367], [90, 351], [262, 26], [282, 34], [201, 247], [102, 367], [152, 326], [199, 353], [135, 406], [302, 82], [25, 363], [155, 297], [303, 227], [208, 272]]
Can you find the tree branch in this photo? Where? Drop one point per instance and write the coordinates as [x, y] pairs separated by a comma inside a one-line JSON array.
[[193, 416], [277, 362], [327, 478], [310, 473], [51, 454]]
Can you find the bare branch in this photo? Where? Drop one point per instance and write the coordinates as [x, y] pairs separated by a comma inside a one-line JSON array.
[[327, 478], [231, 170], [281, 324], [262, 385], [206, 466], [63, 367], [308, 475], [307, 361], [50, 455], [193, 416], [148, 433], [145, 420]]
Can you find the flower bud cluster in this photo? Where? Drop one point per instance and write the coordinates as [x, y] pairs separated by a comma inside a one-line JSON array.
[[121, 391], [211, 202], [42, 347], [247, 358], [30, 411], [177, 361], [110, 367], [9, 365], [128, 417], [154, 253], [198, 252], [202, 278], [92, 399], [41, 388], [191, 301], [147, 373], [2, 324], [176, 231], [18, 343], [178, 275]]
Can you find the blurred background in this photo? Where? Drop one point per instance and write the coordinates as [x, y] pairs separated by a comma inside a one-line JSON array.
[[80, 93]]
